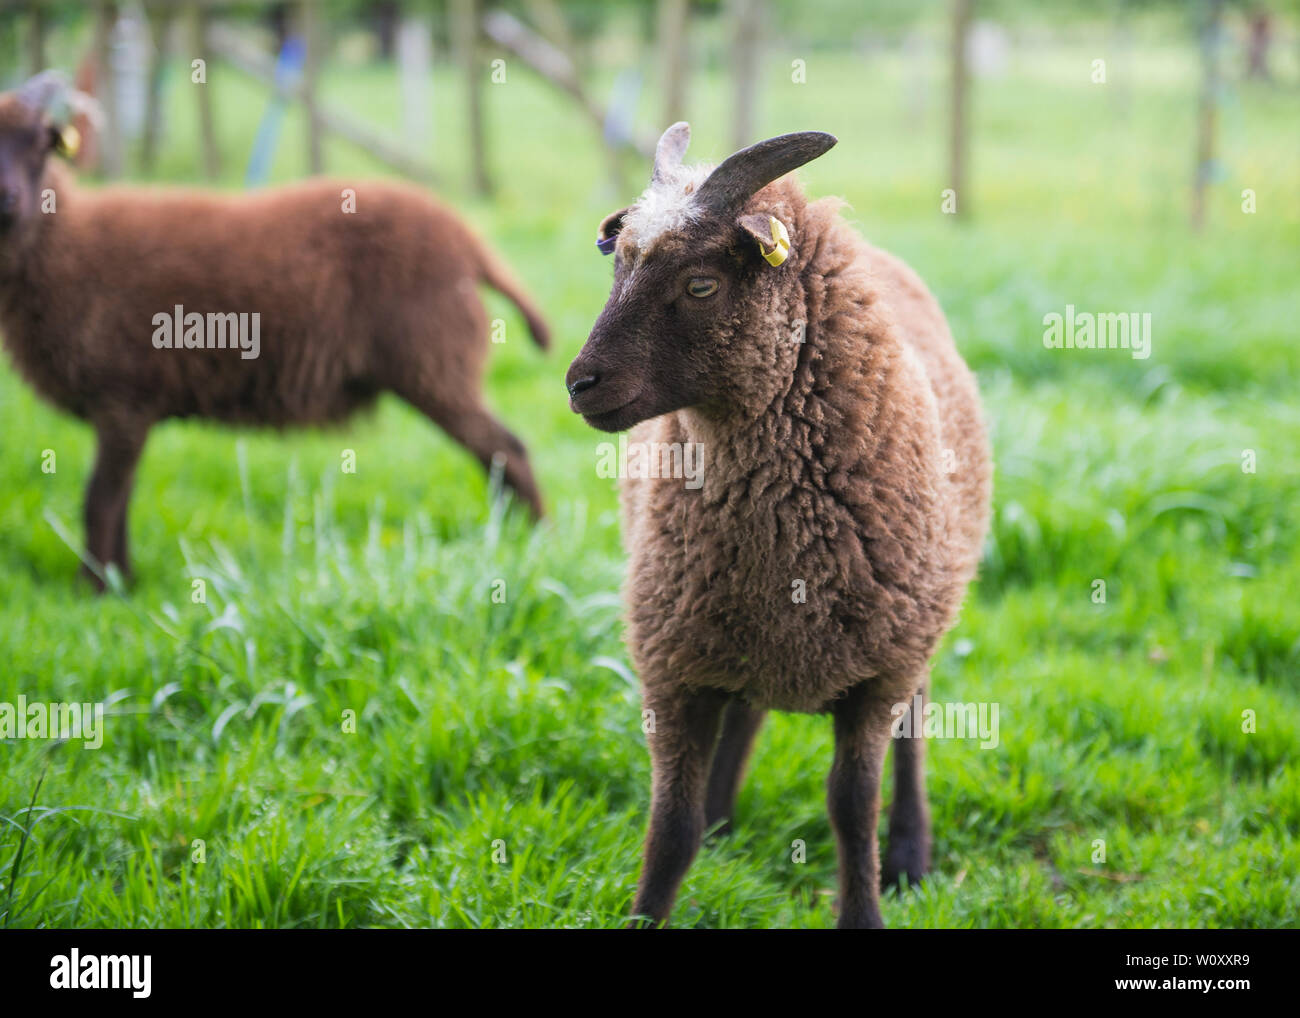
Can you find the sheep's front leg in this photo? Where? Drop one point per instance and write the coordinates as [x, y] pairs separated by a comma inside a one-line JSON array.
[[907, 857], [107, 497], [685, 728], [853, 800], [739, 726]]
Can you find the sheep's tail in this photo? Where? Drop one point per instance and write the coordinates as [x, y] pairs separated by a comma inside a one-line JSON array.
[[501, 279]]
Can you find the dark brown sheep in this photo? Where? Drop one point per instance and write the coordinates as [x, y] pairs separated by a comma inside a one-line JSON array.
[[837, 520], [348, 305]]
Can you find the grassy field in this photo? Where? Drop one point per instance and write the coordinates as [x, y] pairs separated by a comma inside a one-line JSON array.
[[497, 774]]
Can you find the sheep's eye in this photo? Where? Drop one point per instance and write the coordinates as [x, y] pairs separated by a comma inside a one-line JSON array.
[[702, 286]]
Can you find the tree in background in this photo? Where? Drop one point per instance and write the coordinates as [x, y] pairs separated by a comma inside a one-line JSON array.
[[959, 100], [673, 53], [1207, 118], [746, 45]]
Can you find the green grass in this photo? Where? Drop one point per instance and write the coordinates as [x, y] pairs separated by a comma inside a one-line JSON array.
[[483, 727]]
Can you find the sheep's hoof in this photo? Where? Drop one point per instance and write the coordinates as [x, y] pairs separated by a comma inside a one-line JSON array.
[[906, 863], [717, 827], [861, 919], [93, 579]]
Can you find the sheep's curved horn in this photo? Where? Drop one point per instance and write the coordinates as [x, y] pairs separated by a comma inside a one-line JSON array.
[[40, 91], [739, 176], [49, 89], [671, 148]]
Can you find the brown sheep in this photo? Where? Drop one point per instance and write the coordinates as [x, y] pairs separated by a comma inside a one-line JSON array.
[[841, 508], [343, 306]]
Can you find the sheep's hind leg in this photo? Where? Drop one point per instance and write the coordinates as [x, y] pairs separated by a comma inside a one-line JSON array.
[[681, 745], [108, 495], [739, 727], [853, 801], [470, 424], [907, 857]]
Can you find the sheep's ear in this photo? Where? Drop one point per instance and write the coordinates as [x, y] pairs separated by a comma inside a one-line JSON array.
[[66, 141], [771, 235], [607, 233]]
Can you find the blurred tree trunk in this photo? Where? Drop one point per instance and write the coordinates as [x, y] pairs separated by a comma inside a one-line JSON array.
[[673, 16], [415, 71], [1261, 41], [159, 16], [36, 40], [106, 91], [1207, 120], [385, 15], [959, 129], [747, 17], [278, 17], [464, 31], [1121, 62], [312, 43], [207, 119]]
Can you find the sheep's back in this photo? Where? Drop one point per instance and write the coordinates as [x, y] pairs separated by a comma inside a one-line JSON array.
[[326, 285]]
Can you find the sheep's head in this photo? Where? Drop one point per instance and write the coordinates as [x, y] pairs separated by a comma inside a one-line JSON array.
[[697, 262], [27, 137]]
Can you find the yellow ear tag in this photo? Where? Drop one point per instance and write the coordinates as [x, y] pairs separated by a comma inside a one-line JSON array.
[[69, 142], [780, 241]]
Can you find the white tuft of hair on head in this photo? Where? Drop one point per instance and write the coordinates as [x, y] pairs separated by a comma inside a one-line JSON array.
[[666, 205]]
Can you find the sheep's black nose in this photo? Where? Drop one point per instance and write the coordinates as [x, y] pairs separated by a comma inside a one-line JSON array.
[[582, 384]]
